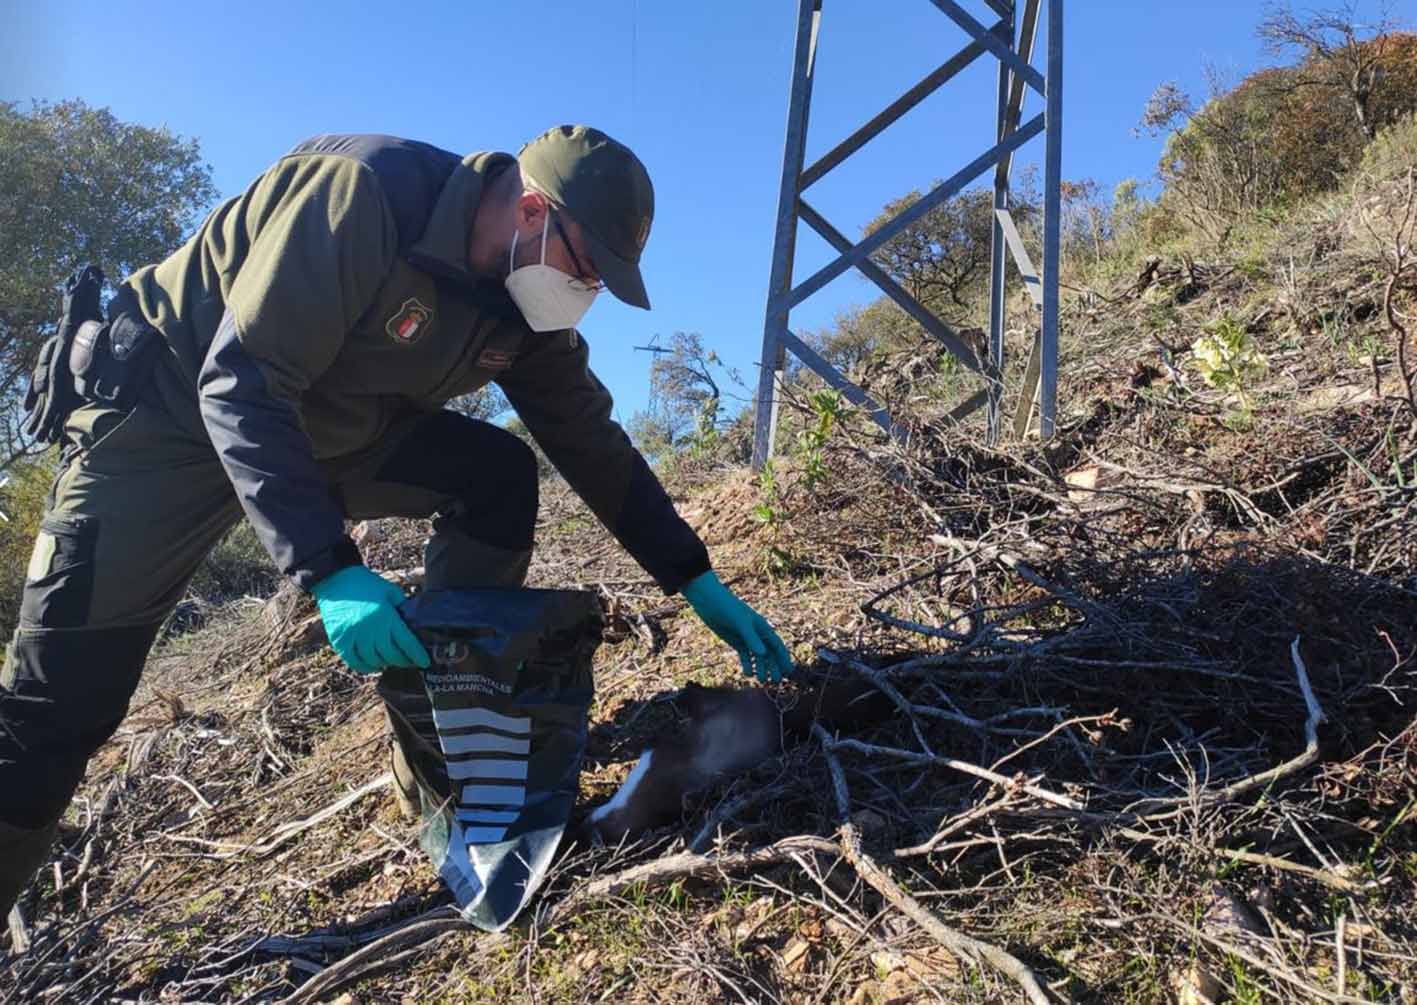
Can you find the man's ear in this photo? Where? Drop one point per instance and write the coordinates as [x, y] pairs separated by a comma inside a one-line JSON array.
[[531, 206]]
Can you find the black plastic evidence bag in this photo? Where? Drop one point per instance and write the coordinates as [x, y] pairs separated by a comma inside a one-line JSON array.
[[498, 735]]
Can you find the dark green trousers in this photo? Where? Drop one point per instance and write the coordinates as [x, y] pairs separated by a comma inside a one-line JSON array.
[[139, 501]]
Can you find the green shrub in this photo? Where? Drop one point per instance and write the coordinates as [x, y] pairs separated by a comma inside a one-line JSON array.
[[1229, 360], [236, 567], [1281, 135], [828, 408], [22, 501], [1393, 151]]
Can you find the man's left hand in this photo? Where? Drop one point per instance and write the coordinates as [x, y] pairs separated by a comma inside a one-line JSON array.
[[760, 651]]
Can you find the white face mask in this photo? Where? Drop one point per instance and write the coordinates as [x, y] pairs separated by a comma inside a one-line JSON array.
[[549, 299]]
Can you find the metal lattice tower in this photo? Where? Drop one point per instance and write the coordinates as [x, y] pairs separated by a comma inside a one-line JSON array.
[[1010, 40]]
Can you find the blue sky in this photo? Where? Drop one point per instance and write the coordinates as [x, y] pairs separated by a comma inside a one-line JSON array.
[[698, 90]]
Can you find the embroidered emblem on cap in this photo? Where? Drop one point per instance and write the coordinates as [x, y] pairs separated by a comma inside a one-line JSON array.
[[410, 321], [643, 234], [496, 359]]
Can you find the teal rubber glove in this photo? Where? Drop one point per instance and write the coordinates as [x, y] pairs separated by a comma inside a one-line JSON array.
[[359, 609], [759, 649]]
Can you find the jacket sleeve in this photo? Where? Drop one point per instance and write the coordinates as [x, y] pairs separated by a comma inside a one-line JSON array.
[[322, 244], [567, 410]]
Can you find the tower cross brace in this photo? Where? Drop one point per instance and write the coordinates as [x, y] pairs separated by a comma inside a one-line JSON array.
[[1010, 40]]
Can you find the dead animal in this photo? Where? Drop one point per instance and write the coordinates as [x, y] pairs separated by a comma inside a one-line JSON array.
[[729, 731]]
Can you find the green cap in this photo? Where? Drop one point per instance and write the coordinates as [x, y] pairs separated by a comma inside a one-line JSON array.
[[605, 189]]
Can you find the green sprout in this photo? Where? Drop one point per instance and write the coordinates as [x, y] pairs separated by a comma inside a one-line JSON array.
[[1229, 360]]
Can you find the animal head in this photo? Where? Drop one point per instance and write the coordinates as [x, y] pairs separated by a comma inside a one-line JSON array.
[[728, 731]]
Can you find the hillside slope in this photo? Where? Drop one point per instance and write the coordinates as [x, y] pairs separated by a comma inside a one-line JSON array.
[[1156, 683]]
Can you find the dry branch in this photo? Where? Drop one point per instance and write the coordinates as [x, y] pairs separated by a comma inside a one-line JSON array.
[[416, 932], [955, 941], [1327, 877], [685, 865], [954, 763], [286, 831]]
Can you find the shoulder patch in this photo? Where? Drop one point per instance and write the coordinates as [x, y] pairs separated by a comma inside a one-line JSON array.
[[410, 321]]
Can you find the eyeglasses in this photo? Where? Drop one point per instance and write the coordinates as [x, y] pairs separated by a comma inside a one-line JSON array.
[[581, 271]]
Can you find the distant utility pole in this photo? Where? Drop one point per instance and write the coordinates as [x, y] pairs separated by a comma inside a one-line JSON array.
[[656, 349], [652, 347]]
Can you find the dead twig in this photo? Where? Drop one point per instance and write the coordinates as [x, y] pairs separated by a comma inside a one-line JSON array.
[[955, 941], [1245, 786], [1327, 877], [285, 832], [954, 763], [685, 865], [397, 945]]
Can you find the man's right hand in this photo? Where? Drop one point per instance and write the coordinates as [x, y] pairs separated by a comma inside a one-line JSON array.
[[359, 609]]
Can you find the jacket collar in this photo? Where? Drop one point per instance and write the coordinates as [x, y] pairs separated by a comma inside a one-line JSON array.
[[442, 249]]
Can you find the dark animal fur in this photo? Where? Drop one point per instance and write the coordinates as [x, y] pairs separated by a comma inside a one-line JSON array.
[[729, 731]]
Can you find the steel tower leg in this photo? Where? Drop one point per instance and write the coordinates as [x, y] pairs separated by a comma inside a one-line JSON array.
[[809, 19], [1052, 222], [997, 260]]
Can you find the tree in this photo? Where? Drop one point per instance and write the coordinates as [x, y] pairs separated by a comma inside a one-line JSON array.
[[1086, 226], [651, 432], [22, 497], [78, 186], [515, 426], [859, 333], [942, 260], [686, 396], [1339, 58], [486, 403], [1219, 163], [1284, 132], [1128, 209]]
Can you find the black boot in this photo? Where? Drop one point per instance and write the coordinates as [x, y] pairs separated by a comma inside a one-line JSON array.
[[22, 852], [507, 700], [406, 787]]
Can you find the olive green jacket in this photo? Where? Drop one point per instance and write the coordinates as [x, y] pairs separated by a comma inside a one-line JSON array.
[[333, 297]]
